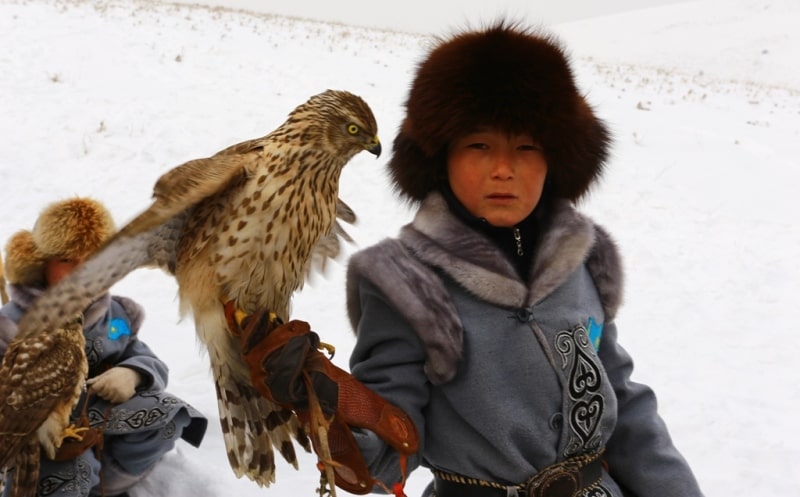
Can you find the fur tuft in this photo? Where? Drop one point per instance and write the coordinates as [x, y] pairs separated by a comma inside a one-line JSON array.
[[24, 261], [73, 228]]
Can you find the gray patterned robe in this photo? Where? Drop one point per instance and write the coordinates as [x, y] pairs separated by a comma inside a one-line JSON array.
[[504, 378]]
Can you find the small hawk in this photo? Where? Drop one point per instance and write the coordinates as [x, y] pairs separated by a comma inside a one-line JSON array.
[[241, 227], [41, 380]]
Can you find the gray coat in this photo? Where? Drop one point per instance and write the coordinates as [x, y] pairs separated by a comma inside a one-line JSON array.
[[137, 432], [502, 378]]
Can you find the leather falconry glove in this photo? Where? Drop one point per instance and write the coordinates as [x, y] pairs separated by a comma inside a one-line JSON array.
[[288, 367], [116, 385]]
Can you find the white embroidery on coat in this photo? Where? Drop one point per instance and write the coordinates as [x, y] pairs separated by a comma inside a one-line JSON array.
[[584, 378]]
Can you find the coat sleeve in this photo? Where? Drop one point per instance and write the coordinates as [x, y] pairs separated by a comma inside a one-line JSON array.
[[389, 359], [8, 330], [9, 316], [640, 454], [137, 355]]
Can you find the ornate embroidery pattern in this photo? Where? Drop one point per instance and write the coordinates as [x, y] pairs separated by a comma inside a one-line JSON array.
[[94, 351], [149, 415], [74, 478], [583, 386], [599, 491]]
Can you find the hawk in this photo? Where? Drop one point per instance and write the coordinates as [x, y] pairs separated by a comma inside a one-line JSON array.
[[240, 228], [42, 377]]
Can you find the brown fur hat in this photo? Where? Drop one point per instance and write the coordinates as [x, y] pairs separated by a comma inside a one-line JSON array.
[[72, 228], [504, 76]]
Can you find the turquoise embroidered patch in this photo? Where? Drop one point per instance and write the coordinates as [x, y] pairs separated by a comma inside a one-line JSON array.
[[595, 332], [117, 328]]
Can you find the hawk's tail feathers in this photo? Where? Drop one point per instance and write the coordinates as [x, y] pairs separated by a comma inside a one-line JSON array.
[[25, 475], [253, 428]]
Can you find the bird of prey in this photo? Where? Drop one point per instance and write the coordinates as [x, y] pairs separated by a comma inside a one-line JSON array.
[[240, 228], [41, 380]]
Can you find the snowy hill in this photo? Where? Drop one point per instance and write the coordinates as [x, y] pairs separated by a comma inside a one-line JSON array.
[[101, 97]]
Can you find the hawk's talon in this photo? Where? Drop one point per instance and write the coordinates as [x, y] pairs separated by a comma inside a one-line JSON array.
[[330, 349], [234, 316], [239, 316], [75, 432]]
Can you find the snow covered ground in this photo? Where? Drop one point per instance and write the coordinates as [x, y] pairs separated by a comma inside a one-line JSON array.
[[101, 97]]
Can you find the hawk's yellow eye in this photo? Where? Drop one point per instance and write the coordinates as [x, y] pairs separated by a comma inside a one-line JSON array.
[[352, 129]]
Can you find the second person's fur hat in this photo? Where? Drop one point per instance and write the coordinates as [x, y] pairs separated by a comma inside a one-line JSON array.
[[507, 77], [72, 228]]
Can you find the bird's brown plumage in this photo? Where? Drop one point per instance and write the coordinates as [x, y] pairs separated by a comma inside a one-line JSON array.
[[243, 225], [41, 380]]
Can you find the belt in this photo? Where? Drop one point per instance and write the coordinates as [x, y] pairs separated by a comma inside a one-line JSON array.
[[569, 478]]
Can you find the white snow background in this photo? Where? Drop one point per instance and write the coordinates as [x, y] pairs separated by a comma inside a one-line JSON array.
[[100, 98]]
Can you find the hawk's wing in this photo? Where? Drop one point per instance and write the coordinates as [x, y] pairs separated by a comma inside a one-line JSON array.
[[39, 375], [184, 186], [97, 275], [243, 147], [330, 245], [149, 239]]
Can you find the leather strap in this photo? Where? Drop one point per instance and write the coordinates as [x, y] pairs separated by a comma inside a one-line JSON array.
[[446, 488]]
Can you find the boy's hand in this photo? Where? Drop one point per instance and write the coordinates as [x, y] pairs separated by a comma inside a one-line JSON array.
[[116, 385]]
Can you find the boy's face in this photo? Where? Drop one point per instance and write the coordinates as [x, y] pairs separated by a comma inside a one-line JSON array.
[[496, 176], [57, 268]]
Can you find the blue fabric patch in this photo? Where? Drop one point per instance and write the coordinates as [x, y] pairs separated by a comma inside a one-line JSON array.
[[117, 328], [595, 332]]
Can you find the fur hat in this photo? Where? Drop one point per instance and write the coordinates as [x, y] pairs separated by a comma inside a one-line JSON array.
[[72, 228], [3, 294], [507, 77]]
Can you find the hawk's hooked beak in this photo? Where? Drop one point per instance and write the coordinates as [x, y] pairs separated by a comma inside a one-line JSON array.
[[374, 147]]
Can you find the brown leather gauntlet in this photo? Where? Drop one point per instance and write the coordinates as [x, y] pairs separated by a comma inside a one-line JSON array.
[[287, 366]]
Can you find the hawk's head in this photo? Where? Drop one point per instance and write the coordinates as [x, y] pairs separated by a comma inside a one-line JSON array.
[[345, 122]]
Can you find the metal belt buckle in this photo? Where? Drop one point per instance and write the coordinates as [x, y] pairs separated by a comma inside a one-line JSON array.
[[559, 480]]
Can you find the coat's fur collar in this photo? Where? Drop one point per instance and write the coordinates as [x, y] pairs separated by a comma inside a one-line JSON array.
[[438, 239]]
